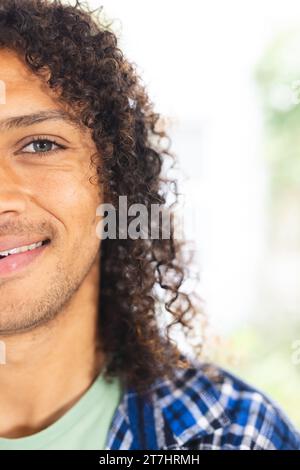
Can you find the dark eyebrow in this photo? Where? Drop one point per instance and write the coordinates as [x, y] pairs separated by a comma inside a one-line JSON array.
[[40, 116]]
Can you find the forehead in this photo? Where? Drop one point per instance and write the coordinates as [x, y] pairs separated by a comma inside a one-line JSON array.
[[23, 89]]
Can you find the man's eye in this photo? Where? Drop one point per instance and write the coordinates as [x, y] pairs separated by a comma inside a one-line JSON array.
[[41, 146]]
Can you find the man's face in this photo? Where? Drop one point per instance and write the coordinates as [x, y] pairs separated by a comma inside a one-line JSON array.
[[45, 193]]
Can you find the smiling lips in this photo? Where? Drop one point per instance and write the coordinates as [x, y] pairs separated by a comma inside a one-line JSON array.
[[20, 249], [14, 259], [9, 242]]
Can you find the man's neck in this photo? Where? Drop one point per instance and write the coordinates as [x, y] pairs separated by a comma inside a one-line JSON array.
[[49, 368]]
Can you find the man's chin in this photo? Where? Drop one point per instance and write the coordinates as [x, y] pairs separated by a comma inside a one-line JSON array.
[[24, 314], [19, 326]]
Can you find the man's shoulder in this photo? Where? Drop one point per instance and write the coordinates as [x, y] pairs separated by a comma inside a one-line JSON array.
[[202, 406], [205, 406]]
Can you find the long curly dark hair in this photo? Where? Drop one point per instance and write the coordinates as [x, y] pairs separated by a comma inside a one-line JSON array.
[[140, 278]]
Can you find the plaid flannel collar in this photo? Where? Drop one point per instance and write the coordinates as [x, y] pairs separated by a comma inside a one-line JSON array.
[[192, 410], [177, 414]]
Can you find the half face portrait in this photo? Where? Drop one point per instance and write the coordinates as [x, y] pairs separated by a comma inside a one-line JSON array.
[[97, 293], [48, 202]]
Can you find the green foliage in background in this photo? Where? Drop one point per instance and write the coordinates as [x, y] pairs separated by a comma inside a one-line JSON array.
[[263, 357], [278, 79], [263, 350]]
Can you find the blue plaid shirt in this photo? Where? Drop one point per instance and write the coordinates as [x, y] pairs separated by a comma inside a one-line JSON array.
[[194, 411]]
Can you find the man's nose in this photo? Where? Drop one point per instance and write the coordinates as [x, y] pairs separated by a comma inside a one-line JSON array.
[[13, 197]]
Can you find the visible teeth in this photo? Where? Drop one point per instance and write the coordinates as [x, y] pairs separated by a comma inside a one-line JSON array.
[[21, 249]]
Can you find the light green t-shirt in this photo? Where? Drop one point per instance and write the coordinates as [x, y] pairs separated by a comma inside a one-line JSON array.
[[84, 426]]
